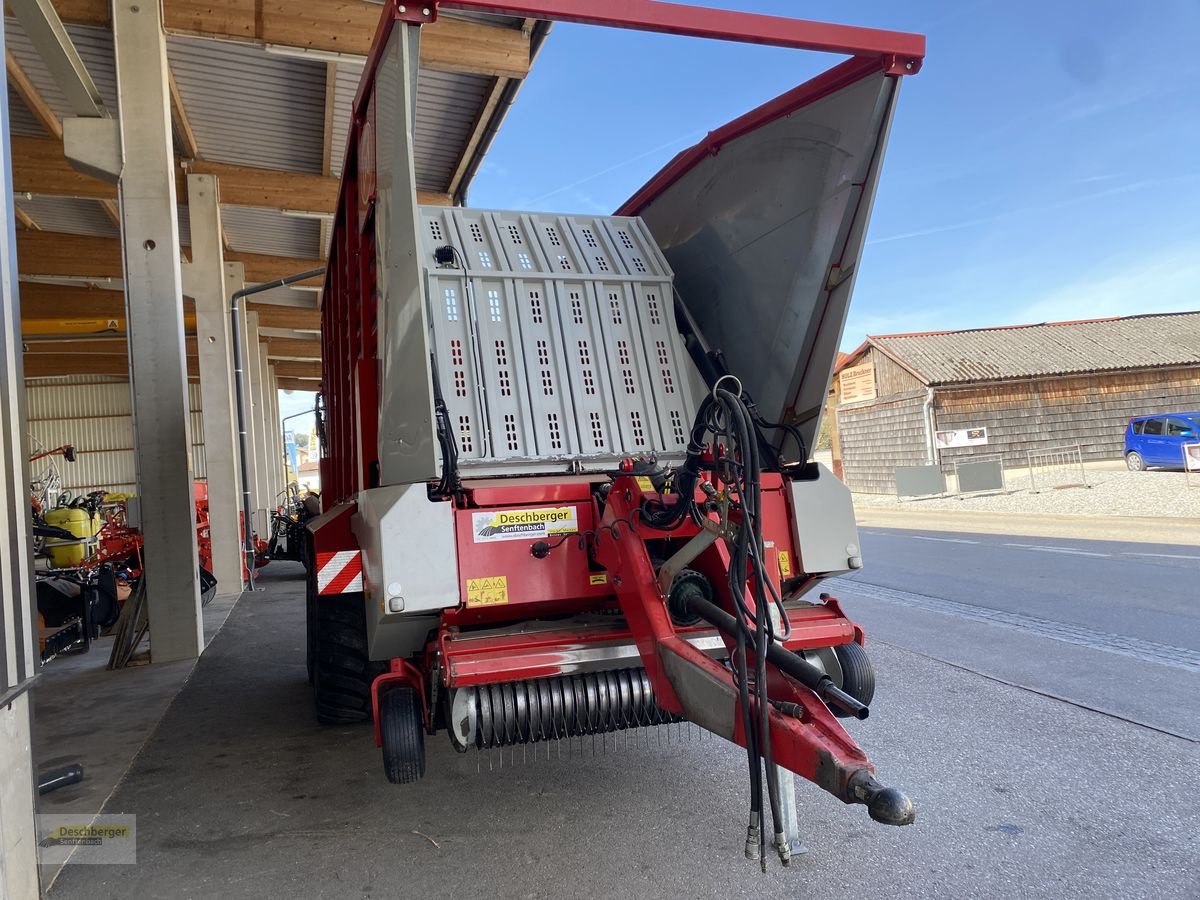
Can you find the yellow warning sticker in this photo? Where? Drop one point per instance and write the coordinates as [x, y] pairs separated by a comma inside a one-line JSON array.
[[785, 564], [602, 578], [487, 591], [645, 484]]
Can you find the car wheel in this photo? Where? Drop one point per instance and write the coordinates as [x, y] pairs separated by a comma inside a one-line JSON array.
[[1135, 462]]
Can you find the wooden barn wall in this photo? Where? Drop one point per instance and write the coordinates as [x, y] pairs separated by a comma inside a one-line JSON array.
[[878, 436], [1089, 410], [865, 462]]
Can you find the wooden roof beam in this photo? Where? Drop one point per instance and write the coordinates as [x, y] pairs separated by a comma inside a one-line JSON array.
[[77, 256], [291, 369], [290, 348], [40, 167], [297, 318], [46, 365], [297, 384], [337, 26]]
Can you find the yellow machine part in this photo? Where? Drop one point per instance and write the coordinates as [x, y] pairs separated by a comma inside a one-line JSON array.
[[63, 553]]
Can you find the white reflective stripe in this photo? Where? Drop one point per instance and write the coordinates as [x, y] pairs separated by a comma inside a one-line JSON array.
[[334, 566]]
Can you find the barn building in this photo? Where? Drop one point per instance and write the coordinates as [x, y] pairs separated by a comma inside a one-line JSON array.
[[912, 399]]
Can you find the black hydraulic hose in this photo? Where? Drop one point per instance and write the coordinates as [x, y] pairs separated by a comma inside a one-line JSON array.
[[784, 660], [240, 400]]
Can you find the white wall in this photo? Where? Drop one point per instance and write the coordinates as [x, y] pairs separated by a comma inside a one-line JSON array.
[[93, 413]]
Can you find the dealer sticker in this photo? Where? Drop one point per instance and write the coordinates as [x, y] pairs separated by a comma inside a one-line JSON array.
[[523, 524]]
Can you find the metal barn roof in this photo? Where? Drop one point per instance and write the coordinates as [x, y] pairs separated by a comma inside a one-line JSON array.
[[1049, 348], [263, 102]]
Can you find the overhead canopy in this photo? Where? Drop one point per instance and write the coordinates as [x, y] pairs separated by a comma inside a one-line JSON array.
[[261, 97]]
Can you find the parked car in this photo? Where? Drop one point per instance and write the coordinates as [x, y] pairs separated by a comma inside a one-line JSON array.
[[1159, 440]]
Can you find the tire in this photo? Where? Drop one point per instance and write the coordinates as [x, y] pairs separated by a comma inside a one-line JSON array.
[[403, 734], [858, 675], [341, 671], [1134, 460]]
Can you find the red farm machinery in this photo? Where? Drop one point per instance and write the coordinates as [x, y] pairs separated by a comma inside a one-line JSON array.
[[566, 476]]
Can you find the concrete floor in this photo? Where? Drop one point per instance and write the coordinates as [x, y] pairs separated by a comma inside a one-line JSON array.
[[83, 713], [239, 794]]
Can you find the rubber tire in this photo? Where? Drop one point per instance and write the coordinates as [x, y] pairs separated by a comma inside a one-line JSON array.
[[342, 672], [1135, 462], [403, 735], [858, 675]]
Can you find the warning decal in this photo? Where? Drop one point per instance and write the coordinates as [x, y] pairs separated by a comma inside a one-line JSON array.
[[601, 578], [785, 564], [487, 591], [523, 524]]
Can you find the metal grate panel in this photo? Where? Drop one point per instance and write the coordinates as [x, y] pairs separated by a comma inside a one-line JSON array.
[[554, 338]]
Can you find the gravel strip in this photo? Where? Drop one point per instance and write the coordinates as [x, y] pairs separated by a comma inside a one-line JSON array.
[[1109, 492]]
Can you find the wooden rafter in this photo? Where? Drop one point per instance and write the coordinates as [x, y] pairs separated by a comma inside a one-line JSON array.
[[45, 365], [296, 318], [24, 220], [291, 348], [41, 167], [49, 121], [77, 256], [293, 369], [179, 117], [297, 384], [32, 98], [338, 26]]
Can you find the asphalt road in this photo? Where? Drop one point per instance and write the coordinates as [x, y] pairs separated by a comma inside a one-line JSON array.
[[985, 714], [1111, 626]]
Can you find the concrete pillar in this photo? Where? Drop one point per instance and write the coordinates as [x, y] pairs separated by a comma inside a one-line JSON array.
[[281, 479], [256, 362], [267, 423], [249, 331], [18, 837], [206, 284], [154, 306]]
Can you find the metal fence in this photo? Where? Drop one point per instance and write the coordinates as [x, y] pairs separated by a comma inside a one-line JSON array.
[[1056, 467], [1191, 464]]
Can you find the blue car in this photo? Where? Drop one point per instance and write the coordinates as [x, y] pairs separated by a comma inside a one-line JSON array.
[[1159, 440]]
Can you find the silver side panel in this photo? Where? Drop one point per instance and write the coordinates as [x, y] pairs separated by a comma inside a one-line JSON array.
[[407, 439], [400, 531], [554, 339]]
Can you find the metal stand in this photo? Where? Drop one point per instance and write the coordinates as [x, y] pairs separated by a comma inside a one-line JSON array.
[[791, 817]]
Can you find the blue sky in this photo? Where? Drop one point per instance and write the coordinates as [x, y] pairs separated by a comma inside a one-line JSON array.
[[1045, 164]]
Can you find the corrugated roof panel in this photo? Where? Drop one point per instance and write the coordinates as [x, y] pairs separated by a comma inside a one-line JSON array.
[[21, 121], [69, 215], [251, 107], [1135, 342], [254, 230], [95, 49], [345, 86], [448, 104]]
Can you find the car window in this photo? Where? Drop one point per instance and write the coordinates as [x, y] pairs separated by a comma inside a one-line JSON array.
[[1137, 426], [1152, 426], [1180, 428]]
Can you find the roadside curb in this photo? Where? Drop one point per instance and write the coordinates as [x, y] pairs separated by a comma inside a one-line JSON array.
[[1156, 530]]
